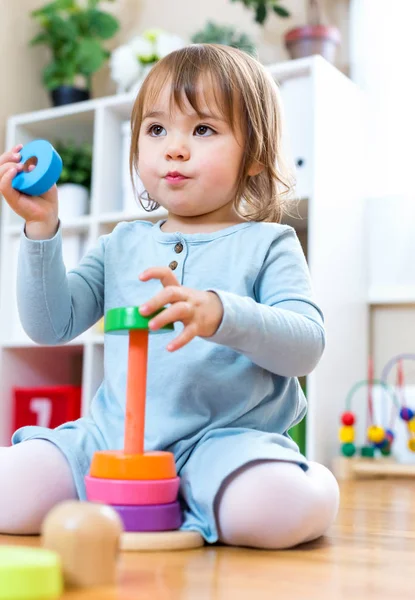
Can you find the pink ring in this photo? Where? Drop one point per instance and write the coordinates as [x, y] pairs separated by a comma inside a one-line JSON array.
[[132, 492]]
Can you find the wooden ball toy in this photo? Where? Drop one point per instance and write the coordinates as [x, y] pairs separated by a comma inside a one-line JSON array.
[[46, 172], [87, 538], [30, 574], [375, 434], [346, 434], [385, 450], [411, 444], [348, 449], [406, 413], [348, 418]]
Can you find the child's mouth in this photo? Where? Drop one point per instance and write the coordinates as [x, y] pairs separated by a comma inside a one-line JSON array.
[[175, 177]]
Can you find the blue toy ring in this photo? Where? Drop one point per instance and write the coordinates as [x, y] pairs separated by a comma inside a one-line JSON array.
[[45, 174]]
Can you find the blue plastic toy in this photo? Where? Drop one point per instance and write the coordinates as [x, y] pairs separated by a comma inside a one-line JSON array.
[[45, 174]]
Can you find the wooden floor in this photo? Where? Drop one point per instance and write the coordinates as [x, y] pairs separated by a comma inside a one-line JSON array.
[[368, 554]]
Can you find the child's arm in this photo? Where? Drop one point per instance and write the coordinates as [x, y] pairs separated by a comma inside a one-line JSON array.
[[283, 330], [55, 307]]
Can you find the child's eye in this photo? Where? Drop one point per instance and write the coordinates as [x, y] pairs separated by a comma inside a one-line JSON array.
[[156, 130], [204, 131]]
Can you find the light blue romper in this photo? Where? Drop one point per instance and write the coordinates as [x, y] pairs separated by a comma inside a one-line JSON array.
[[218, 403]]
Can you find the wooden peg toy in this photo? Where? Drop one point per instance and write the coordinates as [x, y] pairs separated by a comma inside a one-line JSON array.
[[141, 486], [87, 538]]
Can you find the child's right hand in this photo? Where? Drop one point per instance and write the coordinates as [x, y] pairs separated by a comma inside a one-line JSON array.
[[39, 212]]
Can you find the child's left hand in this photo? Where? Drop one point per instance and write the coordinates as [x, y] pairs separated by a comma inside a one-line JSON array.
[[200, 312]]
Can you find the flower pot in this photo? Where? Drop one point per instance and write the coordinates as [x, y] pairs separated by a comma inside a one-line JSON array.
[[73, 201], [66, 94], [313, 39]]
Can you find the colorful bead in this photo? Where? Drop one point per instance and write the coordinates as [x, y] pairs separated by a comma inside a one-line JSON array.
[[390, 436], [385, 450], [346, 434], [375, 434], [406, 413], [411, 444], [367, 451], [411, 425], [348, 449], [348, 418], [383, 443]]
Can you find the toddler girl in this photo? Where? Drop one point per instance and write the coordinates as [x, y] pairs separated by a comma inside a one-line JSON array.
[[222, 387]]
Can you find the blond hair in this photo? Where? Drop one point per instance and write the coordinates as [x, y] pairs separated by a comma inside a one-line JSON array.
[[238, 80]]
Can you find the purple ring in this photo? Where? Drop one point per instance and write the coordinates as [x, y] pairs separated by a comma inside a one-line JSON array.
[[156, 517]]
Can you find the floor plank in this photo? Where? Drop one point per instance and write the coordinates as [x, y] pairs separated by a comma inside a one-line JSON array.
[[369, 554]]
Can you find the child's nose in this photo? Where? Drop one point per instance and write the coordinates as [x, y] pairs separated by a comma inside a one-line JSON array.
[[178, 151]]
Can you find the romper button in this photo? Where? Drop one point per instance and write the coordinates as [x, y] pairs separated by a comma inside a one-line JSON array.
[[173, 265], [178, 247]]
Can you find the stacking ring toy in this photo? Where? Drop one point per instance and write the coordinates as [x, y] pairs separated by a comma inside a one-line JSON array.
[[45, 174], [128, 492], [116, 464], [159, 517]]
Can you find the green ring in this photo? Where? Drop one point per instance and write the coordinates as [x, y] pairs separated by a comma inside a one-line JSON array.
[[126, 318]]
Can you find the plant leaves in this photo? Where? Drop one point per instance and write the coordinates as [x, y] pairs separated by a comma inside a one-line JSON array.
[[261, 13], [54, 7], [281, 11], [40, 38], [90, 56], [101, 24]]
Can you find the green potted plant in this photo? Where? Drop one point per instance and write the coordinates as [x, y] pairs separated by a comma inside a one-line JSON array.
[[316, 37], [74, 33], [227, 35], [74, 184], [262, 8]]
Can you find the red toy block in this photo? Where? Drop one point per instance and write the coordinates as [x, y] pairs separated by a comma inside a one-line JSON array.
[[48, 406]]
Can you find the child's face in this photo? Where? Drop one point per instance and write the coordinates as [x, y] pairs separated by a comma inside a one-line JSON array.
[[189, 164]]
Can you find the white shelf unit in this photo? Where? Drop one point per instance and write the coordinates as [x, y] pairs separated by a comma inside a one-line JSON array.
[[391, 248], [323, 112]]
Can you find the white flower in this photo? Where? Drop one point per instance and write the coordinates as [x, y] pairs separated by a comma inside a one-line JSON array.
[[166, 43], [143, 49], [125, 68], [131, 62]]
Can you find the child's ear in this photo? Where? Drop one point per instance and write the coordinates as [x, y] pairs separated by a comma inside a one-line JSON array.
[[255, 169]]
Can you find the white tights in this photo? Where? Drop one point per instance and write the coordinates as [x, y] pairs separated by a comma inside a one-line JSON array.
[[266, 504]]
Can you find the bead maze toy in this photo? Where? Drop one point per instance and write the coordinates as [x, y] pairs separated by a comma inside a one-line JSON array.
[[142, 487], [46, 172], [366, 461]]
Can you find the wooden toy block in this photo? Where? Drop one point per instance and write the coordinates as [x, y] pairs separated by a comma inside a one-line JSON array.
[[29, 574], [46, 406], [87, 538]]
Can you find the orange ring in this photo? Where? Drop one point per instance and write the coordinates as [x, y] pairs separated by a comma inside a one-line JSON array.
[[115, 464]]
